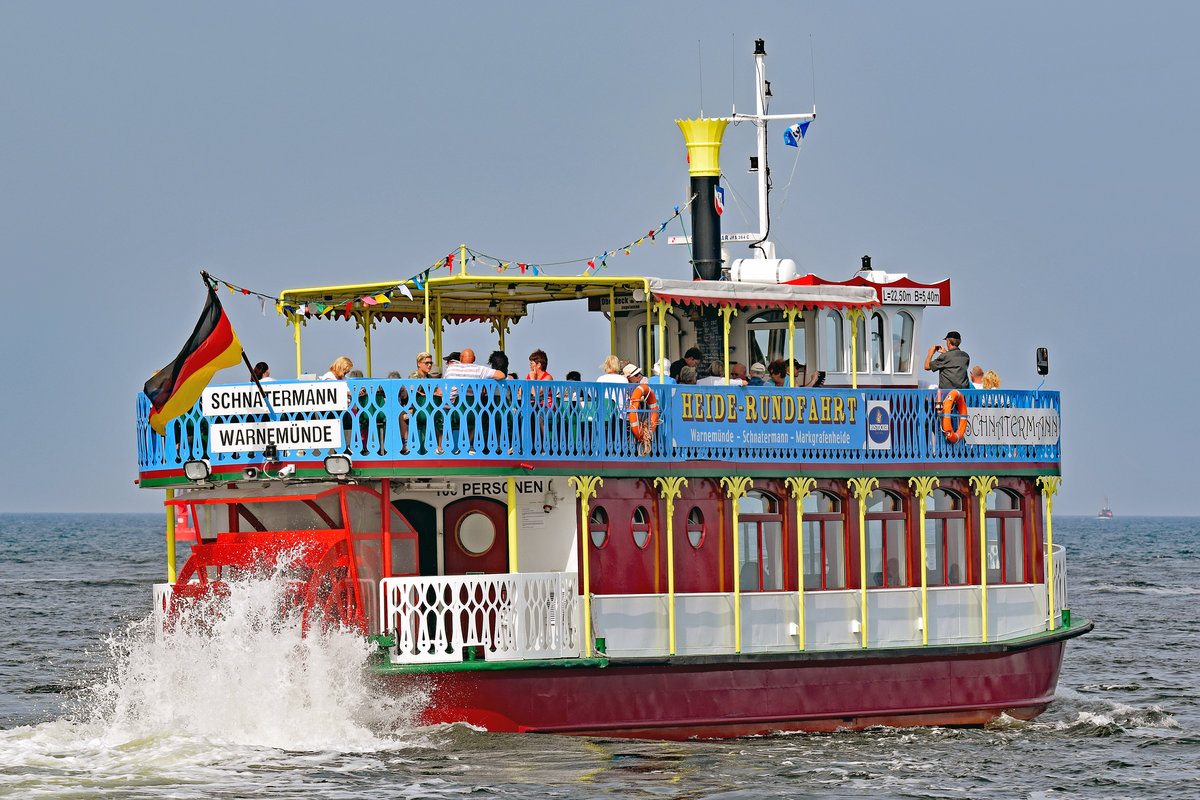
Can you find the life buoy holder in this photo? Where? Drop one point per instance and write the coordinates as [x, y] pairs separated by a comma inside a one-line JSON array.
[[954, 405], [643, 422]]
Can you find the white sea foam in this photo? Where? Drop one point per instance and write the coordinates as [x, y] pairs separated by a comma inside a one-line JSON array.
[[1085, 713], [246, 687]]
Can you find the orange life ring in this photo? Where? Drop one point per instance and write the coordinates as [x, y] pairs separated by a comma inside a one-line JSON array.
[[638, 421], [954, 403]]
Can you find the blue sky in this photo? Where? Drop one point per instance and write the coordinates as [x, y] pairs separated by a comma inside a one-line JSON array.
[[1040, 155]]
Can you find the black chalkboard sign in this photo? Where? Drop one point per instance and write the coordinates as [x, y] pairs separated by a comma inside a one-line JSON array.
[[710, 338]]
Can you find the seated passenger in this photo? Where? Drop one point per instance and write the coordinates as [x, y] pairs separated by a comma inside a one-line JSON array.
[[661, 372], [715, 376], [612, 371], [338, 369], [537, 367], [758, 374]]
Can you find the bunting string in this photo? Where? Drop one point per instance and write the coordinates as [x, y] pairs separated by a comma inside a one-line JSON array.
[[344, 305]]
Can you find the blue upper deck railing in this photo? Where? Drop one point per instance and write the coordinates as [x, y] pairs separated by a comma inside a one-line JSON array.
[[541, 422]]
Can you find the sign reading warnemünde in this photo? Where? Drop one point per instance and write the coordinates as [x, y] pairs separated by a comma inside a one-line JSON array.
[[1015, 426], [312, 434], [285, 398], [737, 417]]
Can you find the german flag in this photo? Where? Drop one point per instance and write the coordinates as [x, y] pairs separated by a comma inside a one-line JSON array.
[[212, 346]]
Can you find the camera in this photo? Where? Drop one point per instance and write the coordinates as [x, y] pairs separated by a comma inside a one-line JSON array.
[[287, 470]]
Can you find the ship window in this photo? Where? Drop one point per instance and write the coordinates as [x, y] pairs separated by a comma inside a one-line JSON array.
[[902, 342], [640, 526], [760, 538], [695, 527], [1004, 538], [598, 526], [876, 342], [945, 539], [887, 540], [641, 346], [833, 355], [824, 542], [476, 533], [766, 336], [860, 344]]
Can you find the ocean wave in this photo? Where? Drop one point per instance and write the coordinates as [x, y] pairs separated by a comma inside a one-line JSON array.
[[1097, 717]]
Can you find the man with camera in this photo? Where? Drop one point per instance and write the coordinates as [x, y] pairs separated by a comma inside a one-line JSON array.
[[950, 362]]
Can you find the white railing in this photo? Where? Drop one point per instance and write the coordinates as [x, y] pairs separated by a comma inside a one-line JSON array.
[[1060, 582], [506, 617]]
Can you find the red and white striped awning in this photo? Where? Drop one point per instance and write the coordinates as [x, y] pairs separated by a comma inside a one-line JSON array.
[[761, 295]]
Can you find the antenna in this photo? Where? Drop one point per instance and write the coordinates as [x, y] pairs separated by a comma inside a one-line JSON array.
[[813, 71], [733, 70], [700, 75]]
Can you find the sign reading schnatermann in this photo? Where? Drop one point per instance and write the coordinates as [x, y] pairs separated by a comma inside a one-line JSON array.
[[285, 398]]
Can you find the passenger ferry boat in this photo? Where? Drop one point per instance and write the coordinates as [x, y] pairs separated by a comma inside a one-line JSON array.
[[703, 560]]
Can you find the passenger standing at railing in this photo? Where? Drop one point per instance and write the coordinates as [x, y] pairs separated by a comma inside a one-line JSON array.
[[687, 376], [262, 372], [950, 362], [976, 377], [991, 379]]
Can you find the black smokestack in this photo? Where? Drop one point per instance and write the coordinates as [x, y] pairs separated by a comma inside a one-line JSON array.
[[703, 138], [706, 229]]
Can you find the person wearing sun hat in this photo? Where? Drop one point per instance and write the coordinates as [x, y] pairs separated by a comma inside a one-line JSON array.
[[950, 362], [633, 373], [661, 372]]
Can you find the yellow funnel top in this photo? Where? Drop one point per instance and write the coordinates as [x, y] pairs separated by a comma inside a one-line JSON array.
[[703, 138]]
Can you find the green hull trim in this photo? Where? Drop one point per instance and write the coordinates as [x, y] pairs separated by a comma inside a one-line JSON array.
[[688, 469], [1078, 627]]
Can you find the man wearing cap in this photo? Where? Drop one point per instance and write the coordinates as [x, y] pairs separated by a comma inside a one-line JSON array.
[[950, 362], [758, 374]]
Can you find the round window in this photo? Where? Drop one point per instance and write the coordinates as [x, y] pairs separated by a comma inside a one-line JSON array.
[[476, 533], [641, 527], [598, 527], [695, 527]]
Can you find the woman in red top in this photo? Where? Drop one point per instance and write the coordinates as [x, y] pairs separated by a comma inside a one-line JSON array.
[[537, 367]]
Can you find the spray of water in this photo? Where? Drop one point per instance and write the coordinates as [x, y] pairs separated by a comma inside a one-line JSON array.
[[239, 671]]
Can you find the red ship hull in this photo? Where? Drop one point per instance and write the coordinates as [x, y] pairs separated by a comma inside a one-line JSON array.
[[720, 697]]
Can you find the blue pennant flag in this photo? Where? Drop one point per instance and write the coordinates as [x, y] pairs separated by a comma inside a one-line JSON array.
[[793, 135]]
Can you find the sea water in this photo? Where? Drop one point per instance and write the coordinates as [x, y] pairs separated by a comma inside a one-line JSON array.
[[94, 703]]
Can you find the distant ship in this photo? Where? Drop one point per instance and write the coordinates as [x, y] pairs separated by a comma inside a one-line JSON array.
[[1105, 511]]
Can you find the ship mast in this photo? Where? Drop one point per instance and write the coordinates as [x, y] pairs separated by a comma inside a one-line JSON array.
[[762, 90]]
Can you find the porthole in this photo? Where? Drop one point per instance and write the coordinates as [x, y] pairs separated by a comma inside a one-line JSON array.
[[695, 527], [640, 526], [476, 533], [598, 526]]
